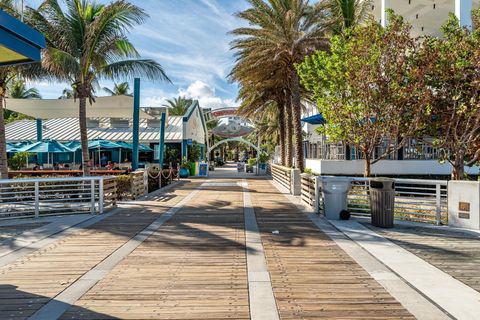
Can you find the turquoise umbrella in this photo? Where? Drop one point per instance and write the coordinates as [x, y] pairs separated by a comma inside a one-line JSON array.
[[46, 146], [129, 146]]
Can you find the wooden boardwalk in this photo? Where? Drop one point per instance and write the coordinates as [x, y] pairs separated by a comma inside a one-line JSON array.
[[312, 277], [194, 266]]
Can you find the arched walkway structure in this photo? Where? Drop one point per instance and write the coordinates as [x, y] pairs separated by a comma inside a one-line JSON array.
[[238, 139]]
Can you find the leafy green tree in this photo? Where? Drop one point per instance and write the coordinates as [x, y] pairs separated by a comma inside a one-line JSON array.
[[178, 106], [453, 77], [370, 88], [119, 89], [281, 33], [86, 42]]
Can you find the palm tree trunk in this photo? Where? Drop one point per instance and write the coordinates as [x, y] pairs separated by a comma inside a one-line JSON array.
[[3, 144], [297, 123], [288, 134], [82, 112], [281, 118]]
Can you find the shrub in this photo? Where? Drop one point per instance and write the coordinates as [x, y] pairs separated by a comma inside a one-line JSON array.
[[263, 157], [252, 162], [124, 186], [18, 161]]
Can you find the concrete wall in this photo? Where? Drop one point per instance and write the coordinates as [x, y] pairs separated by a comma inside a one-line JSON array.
[[385, 167]]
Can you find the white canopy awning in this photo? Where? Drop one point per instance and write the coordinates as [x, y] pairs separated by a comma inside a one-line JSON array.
[[104, 107]]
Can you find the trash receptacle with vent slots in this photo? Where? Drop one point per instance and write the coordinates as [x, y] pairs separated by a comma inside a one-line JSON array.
[[335, 191], [382, 202]]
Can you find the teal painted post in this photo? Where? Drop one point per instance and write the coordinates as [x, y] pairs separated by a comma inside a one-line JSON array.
[[161, 146], [136, 122], [39, 138]]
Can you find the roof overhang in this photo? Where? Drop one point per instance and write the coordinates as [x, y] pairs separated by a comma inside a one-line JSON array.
[[315, 120], [103, 107], [19, 43]]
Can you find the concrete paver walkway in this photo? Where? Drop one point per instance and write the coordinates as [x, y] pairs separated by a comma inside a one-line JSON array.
[[219, 248]]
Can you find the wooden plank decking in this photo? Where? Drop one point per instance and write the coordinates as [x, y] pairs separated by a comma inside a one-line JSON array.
[[194, 265], [312, 277]]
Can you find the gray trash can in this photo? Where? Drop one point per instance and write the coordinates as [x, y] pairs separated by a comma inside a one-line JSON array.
[[335, 191], [382, 202]]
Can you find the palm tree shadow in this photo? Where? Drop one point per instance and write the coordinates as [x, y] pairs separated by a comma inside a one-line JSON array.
[[18, 304]]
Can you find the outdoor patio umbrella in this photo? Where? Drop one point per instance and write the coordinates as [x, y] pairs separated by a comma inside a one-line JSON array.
[[46, 146], [100, 144], [129, 146]]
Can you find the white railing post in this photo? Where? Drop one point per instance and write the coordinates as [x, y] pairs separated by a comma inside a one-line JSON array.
[[101, 196], [316, 202], [92, 196], [37, 199], [438, 204]]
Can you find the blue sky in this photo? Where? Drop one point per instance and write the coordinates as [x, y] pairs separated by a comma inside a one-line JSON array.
[[189, 39]]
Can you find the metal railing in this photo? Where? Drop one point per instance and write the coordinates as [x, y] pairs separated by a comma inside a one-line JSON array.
[[415, 199], [56, 196]]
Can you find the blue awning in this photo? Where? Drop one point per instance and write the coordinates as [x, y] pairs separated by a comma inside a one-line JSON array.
[[316, 119], [19, 43]]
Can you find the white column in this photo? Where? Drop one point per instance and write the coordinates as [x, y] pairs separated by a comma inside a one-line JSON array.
[[383, 14], [463, 11]]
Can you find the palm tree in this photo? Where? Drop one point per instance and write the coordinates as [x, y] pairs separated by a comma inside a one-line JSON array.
[[178, 106], [67, 94], [87, 42], [348, 13], [18, 90], [119, 89], [284, 32]]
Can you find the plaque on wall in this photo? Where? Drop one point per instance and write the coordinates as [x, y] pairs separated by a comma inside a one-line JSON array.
[[464, 210]]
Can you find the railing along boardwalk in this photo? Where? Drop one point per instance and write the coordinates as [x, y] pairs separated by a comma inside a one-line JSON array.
[[21, 198], [282, 175], [308, 189], [415, 199]]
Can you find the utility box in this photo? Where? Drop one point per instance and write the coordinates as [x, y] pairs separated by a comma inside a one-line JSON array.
[[335, 192], [382, 202], [464, 204]]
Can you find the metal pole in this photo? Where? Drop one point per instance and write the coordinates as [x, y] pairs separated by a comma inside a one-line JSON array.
[[161, 146], [136, 122], [92, 196], [101, 196], [438, 209], [37, 199]]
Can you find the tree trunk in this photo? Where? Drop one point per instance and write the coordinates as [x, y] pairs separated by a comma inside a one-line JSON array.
[[3, 144], [458, 171], [297, 123], [367, 166], [288, 134], [282, 135], [82, 114]]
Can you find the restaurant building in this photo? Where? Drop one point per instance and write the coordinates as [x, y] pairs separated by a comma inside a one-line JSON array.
[[110, 118]]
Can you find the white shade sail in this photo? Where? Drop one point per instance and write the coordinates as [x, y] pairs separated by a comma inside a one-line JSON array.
[[112, 107]]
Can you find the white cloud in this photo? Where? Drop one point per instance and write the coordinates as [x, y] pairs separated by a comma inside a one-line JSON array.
[[205, 94]]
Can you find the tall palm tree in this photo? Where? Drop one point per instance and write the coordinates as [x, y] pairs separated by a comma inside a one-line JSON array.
[[119, 89], [18, 90], [86, 42], [178, 106], [284, 32]]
